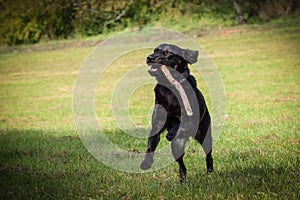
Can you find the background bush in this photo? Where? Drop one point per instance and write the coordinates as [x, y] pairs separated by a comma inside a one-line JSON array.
[[30, 21]]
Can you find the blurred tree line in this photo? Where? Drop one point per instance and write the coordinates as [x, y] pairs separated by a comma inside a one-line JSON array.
[[30, 21]]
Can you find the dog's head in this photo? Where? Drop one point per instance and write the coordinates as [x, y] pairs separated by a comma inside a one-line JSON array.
[[171, 56]]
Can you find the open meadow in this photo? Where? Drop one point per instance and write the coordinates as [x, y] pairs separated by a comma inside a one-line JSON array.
[[257, 156]]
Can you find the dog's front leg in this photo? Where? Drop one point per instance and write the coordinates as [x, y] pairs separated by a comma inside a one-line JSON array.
[[184, 129], [159, 118]]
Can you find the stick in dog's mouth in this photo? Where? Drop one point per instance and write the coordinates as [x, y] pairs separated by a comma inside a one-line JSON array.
[[179, 88]]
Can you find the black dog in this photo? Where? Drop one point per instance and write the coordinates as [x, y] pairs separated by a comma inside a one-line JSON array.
[[169, 113]]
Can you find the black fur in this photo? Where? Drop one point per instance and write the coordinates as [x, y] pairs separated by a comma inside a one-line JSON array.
[[168, 113]]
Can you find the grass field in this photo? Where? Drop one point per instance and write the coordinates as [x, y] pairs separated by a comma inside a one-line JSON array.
[[256, 156]]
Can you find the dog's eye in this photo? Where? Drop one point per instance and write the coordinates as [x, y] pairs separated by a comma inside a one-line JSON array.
[[166, 53]]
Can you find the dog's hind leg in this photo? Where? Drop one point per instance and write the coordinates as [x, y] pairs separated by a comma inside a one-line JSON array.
[[178, 148], [204, 137]]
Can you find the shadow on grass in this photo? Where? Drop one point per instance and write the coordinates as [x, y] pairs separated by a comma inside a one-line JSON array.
[[56, 165], [36, 163]]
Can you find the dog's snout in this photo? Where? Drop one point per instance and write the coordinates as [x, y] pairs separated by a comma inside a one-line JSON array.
[[150, 57]]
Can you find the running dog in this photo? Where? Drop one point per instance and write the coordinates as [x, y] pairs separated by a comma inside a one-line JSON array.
[[180, 107]]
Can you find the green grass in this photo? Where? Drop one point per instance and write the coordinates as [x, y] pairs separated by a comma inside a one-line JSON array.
[[256, 157]]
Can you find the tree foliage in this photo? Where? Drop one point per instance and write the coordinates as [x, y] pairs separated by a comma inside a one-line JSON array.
[[30, 21]]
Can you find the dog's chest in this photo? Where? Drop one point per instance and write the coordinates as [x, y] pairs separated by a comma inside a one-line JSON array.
[[167, 99]]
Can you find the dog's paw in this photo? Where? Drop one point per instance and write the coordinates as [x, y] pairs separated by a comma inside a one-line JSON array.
[[146, 164], [182, 177], [170, 136]]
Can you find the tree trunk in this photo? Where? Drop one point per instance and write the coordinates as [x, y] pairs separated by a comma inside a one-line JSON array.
[[239, 13]]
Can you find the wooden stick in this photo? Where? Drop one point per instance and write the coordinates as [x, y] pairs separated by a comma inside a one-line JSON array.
[[179, 88]]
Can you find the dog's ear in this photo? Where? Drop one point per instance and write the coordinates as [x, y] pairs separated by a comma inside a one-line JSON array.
[[190, 56]]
